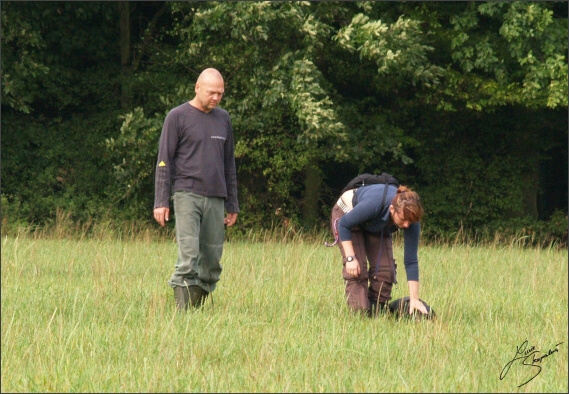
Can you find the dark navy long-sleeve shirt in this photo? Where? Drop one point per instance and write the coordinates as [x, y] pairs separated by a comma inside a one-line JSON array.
[[371, 215], [196, 154]]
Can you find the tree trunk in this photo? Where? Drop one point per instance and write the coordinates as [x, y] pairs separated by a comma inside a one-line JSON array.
[[124, 14], [529, 193], [312, 182]]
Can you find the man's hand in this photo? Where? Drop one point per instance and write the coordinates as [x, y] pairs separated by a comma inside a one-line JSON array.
[[162, 215], [230, 219]]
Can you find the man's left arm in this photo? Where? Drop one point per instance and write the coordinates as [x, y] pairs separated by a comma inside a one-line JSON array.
[[230, 170]]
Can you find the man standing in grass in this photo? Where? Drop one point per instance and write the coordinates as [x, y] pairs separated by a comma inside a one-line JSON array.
[[196, 162]]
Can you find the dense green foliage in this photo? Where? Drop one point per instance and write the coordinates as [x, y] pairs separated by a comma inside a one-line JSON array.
[[466, 102]]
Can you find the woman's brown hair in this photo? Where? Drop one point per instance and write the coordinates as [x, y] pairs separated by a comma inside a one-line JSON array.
[[408, 204]]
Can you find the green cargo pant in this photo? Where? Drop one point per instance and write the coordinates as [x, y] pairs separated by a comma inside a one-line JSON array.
[[200, 233]]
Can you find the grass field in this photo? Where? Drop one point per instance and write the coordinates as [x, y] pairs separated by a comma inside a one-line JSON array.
[[98, 316]]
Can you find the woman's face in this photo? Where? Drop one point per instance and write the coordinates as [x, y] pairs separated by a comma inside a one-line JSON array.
[[398, 219]]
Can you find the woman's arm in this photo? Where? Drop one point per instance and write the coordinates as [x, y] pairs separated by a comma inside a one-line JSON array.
[[414, 302], [352, 267], [411, 260]]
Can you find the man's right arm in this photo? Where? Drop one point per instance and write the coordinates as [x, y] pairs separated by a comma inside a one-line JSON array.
[[162, 184], [163, 174]]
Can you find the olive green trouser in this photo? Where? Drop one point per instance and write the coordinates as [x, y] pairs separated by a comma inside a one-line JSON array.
[[200, 233]]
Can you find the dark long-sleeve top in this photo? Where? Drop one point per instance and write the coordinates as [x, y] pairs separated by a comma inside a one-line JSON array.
[[371, 215], [196, 154]]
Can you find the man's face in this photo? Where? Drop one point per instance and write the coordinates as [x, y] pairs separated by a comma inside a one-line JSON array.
[[209, 93]]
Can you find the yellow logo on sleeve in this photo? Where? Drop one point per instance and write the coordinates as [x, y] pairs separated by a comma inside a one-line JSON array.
[[162, 164]]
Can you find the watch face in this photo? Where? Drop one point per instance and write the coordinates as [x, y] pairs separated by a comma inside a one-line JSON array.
[[350, 258]]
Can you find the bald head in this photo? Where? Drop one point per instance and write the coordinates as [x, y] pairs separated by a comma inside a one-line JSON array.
[[209, 90], [210, 74]]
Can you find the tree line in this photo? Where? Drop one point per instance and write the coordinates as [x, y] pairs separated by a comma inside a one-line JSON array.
[[465, 102]]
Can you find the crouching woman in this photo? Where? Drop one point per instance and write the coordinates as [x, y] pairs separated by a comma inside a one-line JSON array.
[[362, 221]]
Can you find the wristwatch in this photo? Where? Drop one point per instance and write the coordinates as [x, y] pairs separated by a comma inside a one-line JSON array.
[[349, 259]]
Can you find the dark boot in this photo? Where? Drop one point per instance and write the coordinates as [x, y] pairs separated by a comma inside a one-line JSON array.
[[182, 297], [197, 296]]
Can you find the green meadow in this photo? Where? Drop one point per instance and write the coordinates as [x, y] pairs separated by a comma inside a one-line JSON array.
[[94, 315]]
